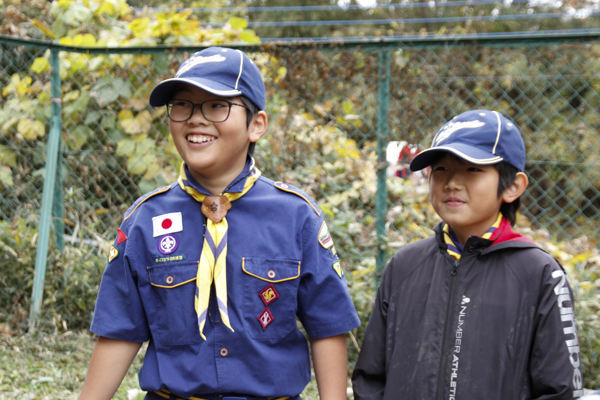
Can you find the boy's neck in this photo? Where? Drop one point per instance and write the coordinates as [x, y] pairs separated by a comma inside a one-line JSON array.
[[216, 183], [462, 235]]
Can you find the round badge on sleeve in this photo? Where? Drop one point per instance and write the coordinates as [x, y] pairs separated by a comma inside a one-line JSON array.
[[168, 244]]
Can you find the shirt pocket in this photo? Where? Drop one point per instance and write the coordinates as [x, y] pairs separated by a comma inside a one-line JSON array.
[[270, 296], [174, 290]]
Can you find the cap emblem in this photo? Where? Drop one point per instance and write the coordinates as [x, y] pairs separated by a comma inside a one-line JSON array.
[[192, 62], [452, 127]]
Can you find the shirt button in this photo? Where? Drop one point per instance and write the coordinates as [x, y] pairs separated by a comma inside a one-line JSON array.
[[224, 352], [170, 279], [271, 274]]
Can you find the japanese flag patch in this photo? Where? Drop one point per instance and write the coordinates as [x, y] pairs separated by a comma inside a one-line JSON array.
[[166, 223], [325, 237]]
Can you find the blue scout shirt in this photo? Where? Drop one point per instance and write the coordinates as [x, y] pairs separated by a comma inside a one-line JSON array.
[[281, 263]]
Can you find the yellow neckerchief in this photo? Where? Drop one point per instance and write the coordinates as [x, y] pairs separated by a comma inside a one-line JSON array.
[[212, 263], [454, 247]]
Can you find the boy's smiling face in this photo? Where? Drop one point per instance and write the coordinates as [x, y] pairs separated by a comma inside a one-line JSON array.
[[214, 150], [465, 195]]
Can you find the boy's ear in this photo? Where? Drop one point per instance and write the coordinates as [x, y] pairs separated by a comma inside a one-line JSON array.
[[258, 126], [517, 188]]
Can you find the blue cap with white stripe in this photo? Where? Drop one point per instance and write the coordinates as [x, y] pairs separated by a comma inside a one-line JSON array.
[[221, 71], [480, 137]]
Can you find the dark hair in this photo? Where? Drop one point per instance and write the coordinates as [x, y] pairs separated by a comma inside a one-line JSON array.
[[251, 110], [507, 174]]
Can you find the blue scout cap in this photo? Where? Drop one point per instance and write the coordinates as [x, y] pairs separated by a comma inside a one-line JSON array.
[[218, 70], [480, 137]]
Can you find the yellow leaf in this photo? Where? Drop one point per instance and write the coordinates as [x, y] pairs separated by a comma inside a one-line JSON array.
[[31, 129], [70, 96], [40, 65], [139, 26], [248, 35], [43, 27], [238, 23], [144, 120], [66, 41], [84, 40]]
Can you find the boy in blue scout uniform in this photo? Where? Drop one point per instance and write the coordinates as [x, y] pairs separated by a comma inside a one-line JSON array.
[[213, 270]]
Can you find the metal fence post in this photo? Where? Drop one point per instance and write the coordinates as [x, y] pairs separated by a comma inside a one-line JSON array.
[[383, 103], [49, 193]]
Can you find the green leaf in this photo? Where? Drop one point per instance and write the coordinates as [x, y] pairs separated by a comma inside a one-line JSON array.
[[6, 177], [77, 137], [8, 156], [125, 147], [93, 117]]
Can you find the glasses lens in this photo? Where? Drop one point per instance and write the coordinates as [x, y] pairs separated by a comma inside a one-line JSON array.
[[216, 110], [179, 110]]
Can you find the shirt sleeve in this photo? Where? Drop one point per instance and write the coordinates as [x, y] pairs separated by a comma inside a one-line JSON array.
[[324, 304], [369, 376], [119, 312], [555, 362]]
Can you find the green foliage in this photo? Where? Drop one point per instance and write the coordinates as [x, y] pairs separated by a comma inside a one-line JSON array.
[[71, 284]]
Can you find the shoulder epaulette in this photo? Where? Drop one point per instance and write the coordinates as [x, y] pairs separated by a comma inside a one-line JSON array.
[[145, 197], [291, 189]]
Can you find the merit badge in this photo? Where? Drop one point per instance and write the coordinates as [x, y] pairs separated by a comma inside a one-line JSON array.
[[268, 295], [215, 207], [168, 244], [113, 253], [166, 223], [265, 318], [121, 237], [338, 268], [325, 237]]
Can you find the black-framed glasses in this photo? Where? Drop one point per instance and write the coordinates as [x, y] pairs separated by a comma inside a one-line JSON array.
[[212, 110]]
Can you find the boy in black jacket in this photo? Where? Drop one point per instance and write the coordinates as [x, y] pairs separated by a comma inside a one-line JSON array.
[[478, 311]]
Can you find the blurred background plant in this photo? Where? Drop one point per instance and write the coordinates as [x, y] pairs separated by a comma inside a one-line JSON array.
[[322, 138]]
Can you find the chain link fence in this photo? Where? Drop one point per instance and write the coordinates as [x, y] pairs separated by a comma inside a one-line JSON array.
[[333, 110]]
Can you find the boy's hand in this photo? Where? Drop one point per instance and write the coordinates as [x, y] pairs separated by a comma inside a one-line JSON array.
[[109, 364], [330, 361]]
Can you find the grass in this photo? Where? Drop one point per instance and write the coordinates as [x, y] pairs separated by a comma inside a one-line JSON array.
[[53, 366]]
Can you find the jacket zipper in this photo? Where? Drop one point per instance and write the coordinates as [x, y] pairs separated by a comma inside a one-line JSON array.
[[445, 341]]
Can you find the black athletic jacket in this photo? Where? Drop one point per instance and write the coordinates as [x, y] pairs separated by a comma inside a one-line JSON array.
[[496, 324]]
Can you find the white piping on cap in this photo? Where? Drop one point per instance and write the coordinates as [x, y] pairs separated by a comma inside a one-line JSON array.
[[241, 68], [497, 134]]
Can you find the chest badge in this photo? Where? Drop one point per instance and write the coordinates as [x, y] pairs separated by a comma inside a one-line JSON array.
[[215, 207], [166, 223], [268, 295], [265, 318], [168, 244]]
